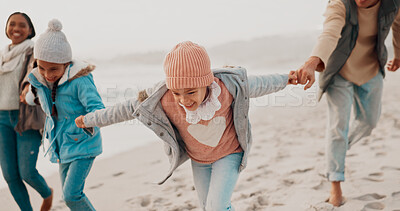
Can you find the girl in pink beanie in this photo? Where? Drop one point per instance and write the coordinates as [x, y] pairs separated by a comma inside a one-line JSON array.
[[199, 114]]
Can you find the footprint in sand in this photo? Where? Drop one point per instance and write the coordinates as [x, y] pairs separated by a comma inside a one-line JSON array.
[[255, 193], [118, 174], [370, 197], [302, 170], [255, 177], [96, 186], [380, 154], [373, 206], [373, 179], [376, 174], [179, 187], [390, 168], [320, 186], [351, 155], [288, 182], [145, 201], [396, 195], [262, 166], [263, 200]]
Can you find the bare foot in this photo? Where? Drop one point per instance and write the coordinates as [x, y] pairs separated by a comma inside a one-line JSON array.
[[47, 202], [336, 198], [336, 201]]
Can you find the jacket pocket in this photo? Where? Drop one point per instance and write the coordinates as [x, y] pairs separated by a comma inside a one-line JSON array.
[[76, 137]]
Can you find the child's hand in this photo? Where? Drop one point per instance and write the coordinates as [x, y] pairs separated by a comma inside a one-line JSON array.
[[22, 97], [292, 78], [79, 122]]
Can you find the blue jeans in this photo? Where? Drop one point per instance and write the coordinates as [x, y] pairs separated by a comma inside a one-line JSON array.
[[73, 176], [342, 95], [18, 156], [215, 182]]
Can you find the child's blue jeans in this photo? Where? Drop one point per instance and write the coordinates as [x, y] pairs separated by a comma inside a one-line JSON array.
[[342, 95], [18, 157], [73, 176], [215, 182]]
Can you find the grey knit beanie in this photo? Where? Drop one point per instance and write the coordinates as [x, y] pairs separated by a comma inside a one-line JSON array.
[[52, 46]]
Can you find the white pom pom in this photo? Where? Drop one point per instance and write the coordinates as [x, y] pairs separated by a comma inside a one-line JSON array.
[[55, 25]]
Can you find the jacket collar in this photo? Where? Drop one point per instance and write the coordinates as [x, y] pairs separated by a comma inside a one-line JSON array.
[[75, 70], [160, 88], [388, 6]]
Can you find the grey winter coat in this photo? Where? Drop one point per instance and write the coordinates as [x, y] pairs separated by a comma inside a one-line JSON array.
[[147, 109]]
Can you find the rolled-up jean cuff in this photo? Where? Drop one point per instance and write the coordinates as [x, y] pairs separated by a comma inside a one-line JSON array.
[[335, 177]]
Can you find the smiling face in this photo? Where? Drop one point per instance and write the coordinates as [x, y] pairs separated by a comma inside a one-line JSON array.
[[51, 71], [18, 29], [366, 3], [191, 98]]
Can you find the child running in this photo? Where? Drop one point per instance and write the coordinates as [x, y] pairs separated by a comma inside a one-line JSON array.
[[66, 90], [200, 114]]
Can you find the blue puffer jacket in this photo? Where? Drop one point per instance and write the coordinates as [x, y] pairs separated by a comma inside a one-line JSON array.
[[76, 95]]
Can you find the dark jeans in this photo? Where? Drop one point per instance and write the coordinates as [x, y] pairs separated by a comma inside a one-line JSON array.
[[18, 156]]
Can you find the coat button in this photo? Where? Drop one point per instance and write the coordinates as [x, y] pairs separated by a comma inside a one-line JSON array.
[[149, 123], [161, 134], [75, 139]]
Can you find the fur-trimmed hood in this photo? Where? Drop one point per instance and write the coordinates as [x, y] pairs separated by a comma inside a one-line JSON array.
[[76, 69]]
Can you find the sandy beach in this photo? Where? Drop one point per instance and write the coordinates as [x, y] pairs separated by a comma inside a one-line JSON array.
[[285, 169]]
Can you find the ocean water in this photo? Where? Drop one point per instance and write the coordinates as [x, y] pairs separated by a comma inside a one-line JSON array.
[[117, 83]]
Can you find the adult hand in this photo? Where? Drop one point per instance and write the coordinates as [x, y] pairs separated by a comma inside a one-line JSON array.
[[306, 73], [393, 65], [292, 78], [79, 122], [22, 97]]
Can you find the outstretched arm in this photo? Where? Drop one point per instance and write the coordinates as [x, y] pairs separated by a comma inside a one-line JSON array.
[[97, 114], [114, 114], [265, 84], [335, 19]]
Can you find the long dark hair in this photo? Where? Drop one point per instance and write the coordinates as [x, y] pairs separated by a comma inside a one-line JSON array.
[[28, 19]]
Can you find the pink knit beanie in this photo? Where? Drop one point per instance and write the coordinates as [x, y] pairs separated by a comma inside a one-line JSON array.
[[187, 66]]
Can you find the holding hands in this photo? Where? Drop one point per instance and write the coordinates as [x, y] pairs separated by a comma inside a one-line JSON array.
[[292, 78], [306, 74], [22, 97], [393, 65], [79, 122]]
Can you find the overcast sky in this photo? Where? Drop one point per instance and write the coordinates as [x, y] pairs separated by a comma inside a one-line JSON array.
[[99, 29]]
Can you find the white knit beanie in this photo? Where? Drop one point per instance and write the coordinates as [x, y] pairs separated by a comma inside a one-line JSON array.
[[52, 46]]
